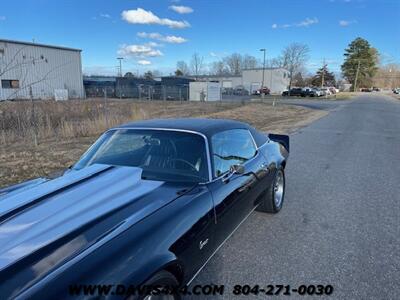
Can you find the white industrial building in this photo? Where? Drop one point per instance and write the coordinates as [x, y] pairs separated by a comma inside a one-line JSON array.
[[276, 79], [37, 71], [204, 91], [225, 81]]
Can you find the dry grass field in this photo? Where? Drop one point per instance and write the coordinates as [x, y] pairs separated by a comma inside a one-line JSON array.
[[45, 137]]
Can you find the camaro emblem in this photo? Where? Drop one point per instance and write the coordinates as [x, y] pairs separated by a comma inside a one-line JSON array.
[[203, 243]]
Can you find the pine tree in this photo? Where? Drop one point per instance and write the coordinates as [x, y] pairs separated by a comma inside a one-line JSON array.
[[178, 72], [148, 75], [360, 62], [323, 77]]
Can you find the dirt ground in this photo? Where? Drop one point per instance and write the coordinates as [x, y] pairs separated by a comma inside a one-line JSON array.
[[21, 161]]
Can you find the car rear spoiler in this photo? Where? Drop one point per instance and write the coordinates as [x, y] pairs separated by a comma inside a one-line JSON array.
[[281, 139]]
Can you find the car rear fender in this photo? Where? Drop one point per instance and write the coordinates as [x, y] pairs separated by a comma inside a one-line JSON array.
[[281, 139]]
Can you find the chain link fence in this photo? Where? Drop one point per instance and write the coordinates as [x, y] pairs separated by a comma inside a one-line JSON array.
[[153, 92], [137, 91]]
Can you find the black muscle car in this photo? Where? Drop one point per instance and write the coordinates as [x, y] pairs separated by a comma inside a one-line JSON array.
[[148, 204]]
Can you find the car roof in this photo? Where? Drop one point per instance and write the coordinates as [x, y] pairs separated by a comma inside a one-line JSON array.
[[206, 127], [200, 125]]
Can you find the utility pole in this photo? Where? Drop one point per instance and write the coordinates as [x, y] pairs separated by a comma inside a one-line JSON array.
[[263, 71], [120, 65], [356, 79], [323, 74], [270, 78]]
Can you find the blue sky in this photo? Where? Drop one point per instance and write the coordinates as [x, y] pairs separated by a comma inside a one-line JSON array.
[[212, 28]]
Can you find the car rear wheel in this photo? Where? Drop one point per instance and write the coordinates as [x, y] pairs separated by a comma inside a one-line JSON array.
[[161, 279], [273, 198]]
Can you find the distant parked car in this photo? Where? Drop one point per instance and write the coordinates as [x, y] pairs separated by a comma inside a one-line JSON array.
[[227, 91], [326, 91], [264, 90], [376, 89], [293, 92], [240, 91], [396, 90], [319, 92], [333, 90], [309, 92], [367, 90]]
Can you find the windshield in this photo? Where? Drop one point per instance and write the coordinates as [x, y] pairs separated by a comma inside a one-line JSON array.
[[162, 155]]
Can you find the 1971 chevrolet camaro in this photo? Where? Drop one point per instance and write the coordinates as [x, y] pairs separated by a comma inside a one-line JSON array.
[[149, 204]]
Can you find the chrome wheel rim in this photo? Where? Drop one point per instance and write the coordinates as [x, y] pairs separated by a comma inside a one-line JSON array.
[[279, 186]]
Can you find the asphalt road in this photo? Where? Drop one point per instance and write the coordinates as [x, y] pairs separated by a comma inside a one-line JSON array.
[[340, 224]]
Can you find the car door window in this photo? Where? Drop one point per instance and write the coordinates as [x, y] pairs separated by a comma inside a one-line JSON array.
[[231, 147]]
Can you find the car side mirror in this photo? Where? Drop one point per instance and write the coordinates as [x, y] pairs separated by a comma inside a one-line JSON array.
[[234, 169]]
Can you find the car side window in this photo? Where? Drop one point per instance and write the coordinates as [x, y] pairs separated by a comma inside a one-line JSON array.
[[231, 147]]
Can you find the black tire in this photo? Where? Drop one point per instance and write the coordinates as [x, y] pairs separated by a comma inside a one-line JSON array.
[[268, 203], [162, 278]]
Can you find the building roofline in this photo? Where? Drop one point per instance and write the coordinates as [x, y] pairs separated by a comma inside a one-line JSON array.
[[179, 77], [213, 76], [38, 44], [274, 68]]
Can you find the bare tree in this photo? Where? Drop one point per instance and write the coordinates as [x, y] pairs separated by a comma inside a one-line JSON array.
[[387, 76], [234, 63], [219, 68], [249, 62], [293, 58], [183, 67], [197, 64]]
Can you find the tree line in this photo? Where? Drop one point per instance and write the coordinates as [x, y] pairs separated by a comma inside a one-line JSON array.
[[361, 67]]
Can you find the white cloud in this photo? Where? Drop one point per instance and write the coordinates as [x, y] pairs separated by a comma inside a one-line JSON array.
[[2, 18], [181, 9], [172, 39], [213, 54], [141, 16], [175, 39], [153, 44], [305, 23], [145, 50], [106, 16], [345, 23], [153, 35], [144, 62]]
